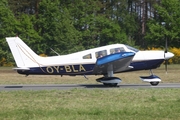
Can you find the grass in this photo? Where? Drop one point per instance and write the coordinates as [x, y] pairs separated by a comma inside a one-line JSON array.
[[90, 104], [84, 104], [8, 76]]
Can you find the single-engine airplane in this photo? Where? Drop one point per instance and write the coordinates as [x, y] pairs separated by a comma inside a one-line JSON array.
[[106, 61]]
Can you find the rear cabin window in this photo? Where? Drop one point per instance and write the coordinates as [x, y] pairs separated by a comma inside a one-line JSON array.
[[100, 54], [116, 50], [88, 56]]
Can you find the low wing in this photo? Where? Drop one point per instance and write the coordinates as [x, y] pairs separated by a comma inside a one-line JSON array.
[[114, 62]]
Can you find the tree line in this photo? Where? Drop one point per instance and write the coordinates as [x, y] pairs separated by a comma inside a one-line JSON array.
[[71, 25]]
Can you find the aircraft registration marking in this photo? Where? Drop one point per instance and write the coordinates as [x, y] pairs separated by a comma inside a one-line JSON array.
[[66, 68]]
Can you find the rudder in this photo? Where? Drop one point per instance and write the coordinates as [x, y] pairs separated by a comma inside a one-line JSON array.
[[23, 55]]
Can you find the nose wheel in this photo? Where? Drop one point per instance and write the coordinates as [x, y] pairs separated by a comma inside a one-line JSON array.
[[152, 79], [154, 83]]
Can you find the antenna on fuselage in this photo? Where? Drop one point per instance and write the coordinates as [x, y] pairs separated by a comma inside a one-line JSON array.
[[85, 77], [55, 51]]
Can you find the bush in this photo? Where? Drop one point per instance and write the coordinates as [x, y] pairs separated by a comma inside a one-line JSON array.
[[176, 58], [43, 55], [3, 62]]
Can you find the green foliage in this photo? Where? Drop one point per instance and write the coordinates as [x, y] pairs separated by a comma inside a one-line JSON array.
[[84, 15], [8, 26], [70, 26], [110, 32], [56, 28], [27, 32], [166, 26], [3, 62]]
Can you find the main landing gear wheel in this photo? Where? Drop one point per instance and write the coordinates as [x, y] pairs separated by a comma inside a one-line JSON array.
[[109, 81], [110, 84], [154, 83]]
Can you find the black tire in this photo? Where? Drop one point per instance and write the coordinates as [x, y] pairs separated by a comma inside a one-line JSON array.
[[154, 83], [113, 84], [105, 84], [110, 84]]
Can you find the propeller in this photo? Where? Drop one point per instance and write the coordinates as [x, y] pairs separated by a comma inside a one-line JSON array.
[[166, 61]]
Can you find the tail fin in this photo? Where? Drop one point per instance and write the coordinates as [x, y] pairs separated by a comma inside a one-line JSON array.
[[23, 55]]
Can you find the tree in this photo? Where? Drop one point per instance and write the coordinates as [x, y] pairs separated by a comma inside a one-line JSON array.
[[83, 14], [27, 33], [8, 25], [20, 7], [127, 17], [166, 26], [109, 32], [56, 28], [93, 19]]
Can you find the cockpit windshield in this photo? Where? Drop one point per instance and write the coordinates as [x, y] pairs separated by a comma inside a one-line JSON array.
[[132, 48]]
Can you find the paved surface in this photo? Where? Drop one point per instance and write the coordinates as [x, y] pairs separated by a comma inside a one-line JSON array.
[[87, 86]]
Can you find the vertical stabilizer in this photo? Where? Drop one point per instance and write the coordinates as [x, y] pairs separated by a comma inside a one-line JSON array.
[[23, 55]]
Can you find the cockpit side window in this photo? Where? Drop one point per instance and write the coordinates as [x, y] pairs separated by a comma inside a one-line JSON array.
[[100, 54], [88, 56], [116, 50]]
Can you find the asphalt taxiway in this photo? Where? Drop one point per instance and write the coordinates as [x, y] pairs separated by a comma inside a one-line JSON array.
[[87, 86]]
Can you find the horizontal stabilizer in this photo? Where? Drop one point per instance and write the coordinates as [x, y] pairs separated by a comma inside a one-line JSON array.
[[21, 68]]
